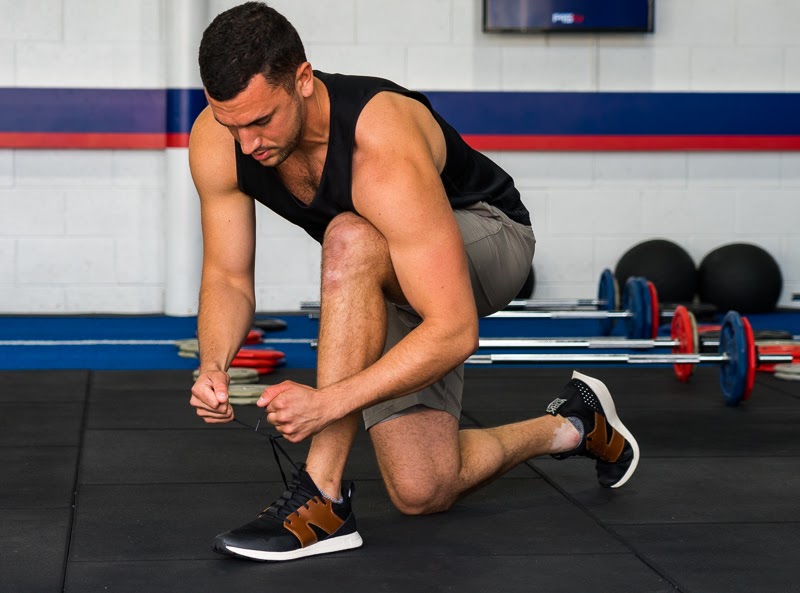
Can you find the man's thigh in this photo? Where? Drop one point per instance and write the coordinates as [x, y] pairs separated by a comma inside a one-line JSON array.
[[499, 252]]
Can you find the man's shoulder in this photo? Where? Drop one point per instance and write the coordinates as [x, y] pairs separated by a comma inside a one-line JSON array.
[[206, 131], [212, 158]]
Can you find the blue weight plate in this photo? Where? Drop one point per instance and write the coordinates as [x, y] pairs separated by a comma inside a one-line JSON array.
[[646, 312], [607, 291], [733, 373], [632, 302]]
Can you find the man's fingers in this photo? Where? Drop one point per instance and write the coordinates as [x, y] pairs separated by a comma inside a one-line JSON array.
[[211, 388], [224, 414], [273, 391], [221, 391]]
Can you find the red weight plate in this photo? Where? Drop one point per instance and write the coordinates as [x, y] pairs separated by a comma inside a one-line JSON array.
[[682, 331], [709, 328], [262, 370], [777, 347], [253, 363], [260, 354], [752, 359], [254, 336], [654, 307]]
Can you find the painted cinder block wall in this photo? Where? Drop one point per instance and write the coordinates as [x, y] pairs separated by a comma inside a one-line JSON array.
[[84, 231]]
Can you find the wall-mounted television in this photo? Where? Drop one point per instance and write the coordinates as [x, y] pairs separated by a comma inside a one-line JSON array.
[[539, 16]]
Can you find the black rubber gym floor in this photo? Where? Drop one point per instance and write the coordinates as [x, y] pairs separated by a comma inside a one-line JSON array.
[[110, 483]]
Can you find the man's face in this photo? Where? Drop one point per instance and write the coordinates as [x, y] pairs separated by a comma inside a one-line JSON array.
[[266, 120]]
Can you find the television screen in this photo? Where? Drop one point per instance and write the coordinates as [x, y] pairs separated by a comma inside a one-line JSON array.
[[523, 16]]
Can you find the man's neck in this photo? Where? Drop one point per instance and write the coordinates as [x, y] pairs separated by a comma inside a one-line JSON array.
[[318, 117]]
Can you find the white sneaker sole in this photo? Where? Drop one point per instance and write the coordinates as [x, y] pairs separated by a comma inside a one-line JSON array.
[[602, 393], [332, 544]]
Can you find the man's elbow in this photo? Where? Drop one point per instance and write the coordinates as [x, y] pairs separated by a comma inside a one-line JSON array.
[[468, 339]]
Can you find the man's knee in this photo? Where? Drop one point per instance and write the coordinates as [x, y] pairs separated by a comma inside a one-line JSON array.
[[352, 246], [348, 235], [419, 497]]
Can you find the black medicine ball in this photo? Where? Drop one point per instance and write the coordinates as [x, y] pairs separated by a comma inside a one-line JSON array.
[[742, 277], [665, 264]]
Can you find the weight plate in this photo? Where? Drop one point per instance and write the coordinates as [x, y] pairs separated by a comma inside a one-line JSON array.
[[654, 309], [681, 331], [645, 314], [254, 336], [787, 372], [607, 292], [777, 347], [632, 302], [270, 324], [733, 372], [752, 359], [190, 345], [787, 376], [647, 310], [237, 375], [255, 389], [261, 354]]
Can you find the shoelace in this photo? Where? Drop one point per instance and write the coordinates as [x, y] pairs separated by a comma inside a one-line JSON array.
[[294, 496]]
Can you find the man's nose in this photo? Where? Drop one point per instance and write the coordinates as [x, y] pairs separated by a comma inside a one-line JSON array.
[[249, 140]]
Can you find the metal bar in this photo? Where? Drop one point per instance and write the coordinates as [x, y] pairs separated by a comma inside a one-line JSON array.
[[516, 304], [590, 343], [527, 304], [562, 314], [619, 358]]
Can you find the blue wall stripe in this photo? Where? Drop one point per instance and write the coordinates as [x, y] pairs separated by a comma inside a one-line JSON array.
[[620, 113], [82, 110], [183, 107], [27, 110]]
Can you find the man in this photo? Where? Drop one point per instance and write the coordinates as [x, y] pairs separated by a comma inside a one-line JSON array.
[[420, 236]]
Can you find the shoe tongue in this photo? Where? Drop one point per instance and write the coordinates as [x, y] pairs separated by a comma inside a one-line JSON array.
[[297, 495]]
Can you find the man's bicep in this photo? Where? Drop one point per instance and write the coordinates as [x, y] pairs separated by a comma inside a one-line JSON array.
[[227, 214], [410, 208]]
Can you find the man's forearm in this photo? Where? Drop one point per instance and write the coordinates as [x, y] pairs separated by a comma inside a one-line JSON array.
[[420, 359], [225, 317]]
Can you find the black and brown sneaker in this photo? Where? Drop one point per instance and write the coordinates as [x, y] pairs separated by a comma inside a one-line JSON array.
[[606, 439], [300, 523]]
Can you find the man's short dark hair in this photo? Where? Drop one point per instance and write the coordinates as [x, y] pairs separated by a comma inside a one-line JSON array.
[[244, 41]]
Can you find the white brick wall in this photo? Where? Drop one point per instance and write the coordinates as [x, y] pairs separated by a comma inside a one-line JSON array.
[[7, 58], [6, 168], [34, 19], [83, 231]]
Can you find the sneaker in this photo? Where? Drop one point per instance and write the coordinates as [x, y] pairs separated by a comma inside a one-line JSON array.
[[606, 438], [300, 523]]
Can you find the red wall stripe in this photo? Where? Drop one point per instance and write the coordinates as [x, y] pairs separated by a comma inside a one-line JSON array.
[[45, 140], [634, 143]]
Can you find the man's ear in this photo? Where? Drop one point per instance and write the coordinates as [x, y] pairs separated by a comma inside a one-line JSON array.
[[304, 79]]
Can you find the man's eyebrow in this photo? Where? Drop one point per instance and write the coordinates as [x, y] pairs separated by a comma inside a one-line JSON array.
[[258, 119]]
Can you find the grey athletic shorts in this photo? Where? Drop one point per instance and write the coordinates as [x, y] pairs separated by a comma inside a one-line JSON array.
[[499, 252]]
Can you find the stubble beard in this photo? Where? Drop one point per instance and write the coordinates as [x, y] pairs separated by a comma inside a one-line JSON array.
[[283, 153]]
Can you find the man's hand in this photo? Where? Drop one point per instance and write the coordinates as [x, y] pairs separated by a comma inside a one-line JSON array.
[[295, 410], [210, 397]]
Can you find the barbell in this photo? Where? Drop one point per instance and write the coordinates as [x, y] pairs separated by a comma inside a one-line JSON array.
[[640, 310], [639, 300], [607, 299], [738, 355]]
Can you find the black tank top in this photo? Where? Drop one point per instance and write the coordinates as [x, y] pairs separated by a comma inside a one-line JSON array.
[[468, 176]]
